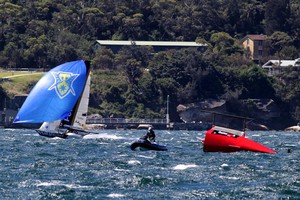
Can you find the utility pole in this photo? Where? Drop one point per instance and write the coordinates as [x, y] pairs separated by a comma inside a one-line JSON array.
[[168, 117]]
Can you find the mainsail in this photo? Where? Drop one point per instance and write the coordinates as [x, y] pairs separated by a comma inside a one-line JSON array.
[[79, 113]]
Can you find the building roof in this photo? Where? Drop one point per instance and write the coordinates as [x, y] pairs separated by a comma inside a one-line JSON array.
[[283, 63], [150, 43], [255, 37]]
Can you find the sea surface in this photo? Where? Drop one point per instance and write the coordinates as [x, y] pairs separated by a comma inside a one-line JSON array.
[[102, 166]]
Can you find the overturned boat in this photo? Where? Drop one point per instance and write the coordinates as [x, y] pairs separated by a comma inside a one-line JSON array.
[[221, 138]]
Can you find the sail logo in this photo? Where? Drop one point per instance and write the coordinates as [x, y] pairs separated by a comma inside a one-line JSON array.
[[63, 83]]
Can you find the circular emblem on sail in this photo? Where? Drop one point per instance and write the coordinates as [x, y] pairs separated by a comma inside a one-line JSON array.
[[63, 83]]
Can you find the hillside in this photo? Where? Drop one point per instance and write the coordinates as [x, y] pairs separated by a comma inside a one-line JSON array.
[[135, 82]]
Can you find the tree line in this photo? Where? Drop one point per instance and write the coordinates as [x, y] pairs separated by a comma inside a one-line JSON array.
[[46, 33]]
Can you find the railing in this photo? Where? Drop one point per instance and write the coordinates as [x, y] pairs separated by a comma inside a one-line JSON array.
[[125, 121]]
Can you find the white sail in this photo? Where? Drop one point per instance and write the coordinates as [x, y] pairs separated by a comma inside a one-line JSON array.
[[81, 114]]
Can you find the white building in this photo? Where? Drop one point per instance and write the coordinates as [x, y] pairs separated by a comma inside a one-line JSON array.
[[274, 67]]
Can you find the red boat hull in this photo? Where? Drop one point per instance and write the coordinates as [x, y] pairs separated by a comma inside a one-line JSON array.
[[220, 142]]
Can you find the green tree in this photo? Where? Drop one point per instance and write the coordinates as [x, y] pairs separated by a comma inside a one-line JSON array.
[[36, 52], [224, 44], [252, 17], [277, 41], [232, 15], [133, 71], [277, 16], [8, 13], [295, 22], [289, 52], [256, 84], [187, 67], [104, 59]]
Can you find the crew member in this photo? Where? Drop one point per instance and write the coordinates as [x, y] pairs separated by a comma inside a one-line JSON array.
[[150, 135]]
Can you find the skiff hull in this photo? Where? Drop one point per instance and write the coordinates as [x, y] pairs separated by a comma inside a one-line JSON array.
[[51, 134], [68, 135]]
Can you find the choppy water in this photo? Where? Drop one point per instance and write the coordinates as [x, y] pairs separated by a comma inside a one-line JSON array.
[[103, 167]]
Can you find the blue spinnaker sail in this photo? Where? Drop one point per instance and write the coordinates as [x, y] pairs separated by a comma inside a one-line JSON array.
[[55, 94]]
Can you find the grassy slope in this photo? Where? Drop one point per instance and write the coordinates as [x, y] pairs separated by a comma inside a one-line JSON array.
[[19, 83]]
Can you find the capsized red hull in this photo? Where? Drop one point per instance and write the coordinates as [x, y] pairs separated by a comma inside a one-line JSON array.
[[216, 142]]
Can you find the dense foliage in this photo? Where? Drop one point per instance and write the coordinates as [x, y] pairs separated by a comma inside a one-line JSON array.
[[135, 82]]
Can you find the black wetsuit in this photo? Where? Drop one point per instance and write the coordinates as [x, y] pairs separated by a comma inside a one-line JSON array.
[[150, 136]]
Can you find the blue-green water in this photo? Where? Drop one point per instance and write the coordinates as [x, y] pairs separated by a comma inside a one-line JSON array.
[[103, 167]]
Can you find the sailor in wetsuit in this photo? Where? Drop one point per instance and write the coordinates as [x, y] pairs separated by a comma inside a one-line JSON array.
[[150, 135]]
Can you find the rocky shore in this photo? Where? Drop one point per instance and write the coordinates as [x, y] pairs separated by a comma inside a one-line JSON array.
[[265, 113]]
